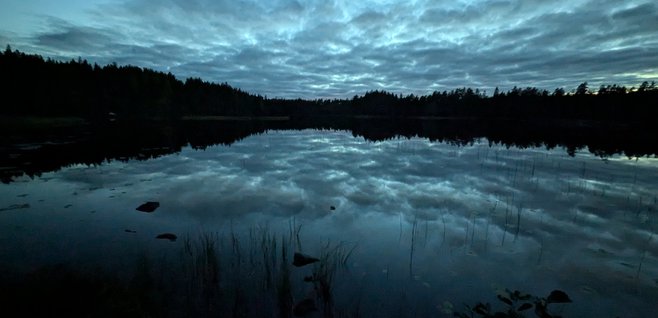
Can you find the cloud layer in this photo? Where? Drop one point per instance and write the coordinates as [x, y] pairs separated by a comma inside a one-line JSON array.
[[341, 48]]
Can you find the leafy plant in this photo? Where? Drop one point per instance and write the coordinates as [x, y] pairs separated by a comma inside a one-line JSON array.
[[517, 305]]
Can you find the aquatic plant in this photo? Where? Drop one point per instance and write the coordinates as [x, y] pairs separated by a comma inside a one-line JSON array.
[[284, 286], [332, 258], [412, 247], [517, 304]]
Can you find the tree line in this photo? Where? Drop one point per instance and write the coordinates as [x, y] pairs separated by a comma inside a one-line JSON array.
[[123, 140], [34, 86]]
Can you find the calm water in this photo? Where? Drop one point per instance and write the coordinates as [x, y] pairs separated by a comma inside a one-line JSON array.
[[431, 225]]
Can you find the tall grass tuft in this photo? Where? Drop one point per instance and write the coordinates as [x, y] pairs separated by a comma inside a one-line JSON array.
[[332, 259], [250, 274], [207, 271], [294, 230], [284, 288], [201, 271], [412, 248], [268, 244]]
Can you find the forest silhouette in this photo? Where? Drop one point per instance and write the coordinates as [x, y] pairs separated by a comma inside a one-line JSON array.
[[132, 113], [123, 141], [36, 86]]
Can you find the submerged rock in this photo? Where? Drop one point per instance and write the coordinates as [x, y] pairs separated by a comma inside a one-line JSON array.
[[300, 260], [16, 207], [167, 236], [558, 296], [304, 307], [148, 206]]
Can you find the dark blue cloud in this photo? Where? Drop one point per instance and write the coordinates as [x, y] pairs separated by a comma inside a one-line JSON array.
[[335, 49]]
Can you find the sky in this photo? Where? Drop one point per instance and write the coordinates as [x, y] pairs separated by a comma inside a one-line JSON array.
[[338, 48]]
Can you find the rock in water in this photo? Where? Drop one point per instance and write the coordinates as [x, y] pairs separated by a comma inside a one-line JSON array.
[[304, 307], [300, 260], [558, 296], [148, 207], [167, 236]]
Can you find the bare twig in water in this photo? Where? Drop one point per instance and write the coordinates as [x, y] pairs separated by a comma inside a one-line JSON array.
[[518, 221], [411, 252], [644, 254]]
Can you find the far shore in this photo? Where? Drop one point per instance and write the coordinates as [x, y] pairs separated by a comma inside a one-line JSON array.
[[273, 118]]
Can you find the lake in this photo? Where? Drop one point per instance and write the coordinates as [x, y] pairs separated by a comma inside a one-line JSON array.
[[402, 227]]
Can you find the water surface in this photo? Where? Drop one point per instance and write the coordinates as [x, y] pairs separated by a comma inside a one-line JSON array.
[[432, 225]]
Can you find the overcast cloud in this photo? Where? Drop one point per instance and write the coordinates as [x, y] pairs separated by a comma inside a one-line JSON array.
[[341, 48]]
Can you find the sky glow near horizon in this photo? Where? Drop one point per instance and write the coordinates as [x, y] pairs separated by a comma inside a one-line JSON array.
[[336, 49]]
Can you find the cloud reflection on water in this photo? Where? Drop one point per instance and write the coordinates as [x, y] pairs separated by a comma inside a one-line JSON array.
[[296, 175], [486, 215]]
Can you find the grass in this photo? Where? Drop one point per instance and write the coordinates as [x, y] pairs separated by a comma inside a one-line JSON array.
[[412, 247], [332, 259], [644, 254], [285, 300], [252, 274], [200, 264], [18, 124], [239, 274]]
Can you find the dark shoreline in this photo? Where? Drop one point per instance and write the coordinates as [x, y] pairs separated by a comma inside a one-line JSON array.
[[38, 149]]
